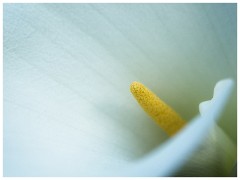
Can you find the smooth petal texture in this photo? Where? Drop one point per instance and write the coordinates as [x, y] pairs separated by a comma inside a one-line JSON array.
[[67, 69]]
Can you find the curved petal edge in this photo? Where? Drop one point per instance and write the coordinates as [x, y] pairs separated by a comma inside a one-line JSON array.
[[172, 155]]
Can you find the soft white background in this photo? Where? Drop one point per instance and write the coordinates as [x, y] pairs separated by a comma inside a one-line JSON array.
[[67, 71]]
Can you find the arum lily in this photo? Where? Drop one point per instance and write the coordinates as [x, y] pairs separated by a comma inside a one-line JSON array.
[[68, 110]]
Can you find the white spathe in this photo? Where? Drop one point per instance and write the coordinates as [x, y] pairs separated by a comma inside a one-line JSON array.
[[67, 71]]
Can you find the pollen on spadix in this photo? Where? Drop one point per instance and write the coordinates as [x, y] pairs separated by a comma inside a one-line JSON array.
[[160, 112]]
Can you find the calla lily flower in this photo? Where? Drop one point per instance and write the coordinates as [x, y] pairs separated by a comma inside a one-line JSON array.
[[68, 110]]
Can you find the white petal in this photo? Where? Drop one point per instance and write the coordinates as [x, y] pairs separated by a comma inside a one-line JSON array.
[[215, 157], [67, 71]]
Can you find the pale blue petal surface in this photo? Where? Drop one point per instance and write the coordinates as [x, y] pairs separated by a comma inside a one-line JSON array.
[[67, 106]]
